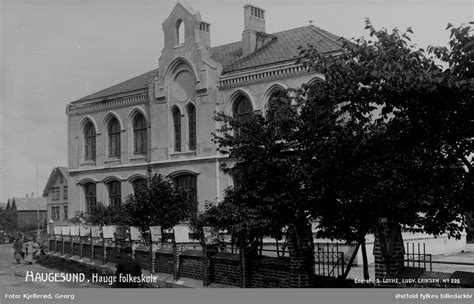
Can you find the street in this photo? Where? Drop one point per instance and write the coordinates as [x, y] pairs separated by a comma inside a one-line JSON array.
[[13, 274]]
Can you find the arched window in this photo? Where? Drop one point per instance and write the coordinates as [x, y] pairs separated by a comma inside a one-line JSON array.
[[192, 127], [180, 32], [278, 103], [177, 129], [139, 183], [139, 134], [114, 137], [188, 183], [115, 197], [91, 198], [89, 141], [241, 109]]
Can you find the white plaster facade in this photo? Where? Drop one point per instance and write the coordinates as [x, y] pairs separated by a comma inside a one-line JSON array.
[[190, 74]]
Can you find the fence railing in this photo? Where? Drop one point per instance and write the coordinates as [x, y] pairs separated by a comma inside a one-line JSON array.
[[329, 261], [416, 256]]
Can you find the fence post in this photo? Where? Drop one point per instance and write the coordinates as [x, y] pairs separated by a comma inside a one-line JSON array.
[[388, 249], [105, 251], [92, 248], [80, 247], [175, 262], [153, 257], [300, 246], [62, 250]]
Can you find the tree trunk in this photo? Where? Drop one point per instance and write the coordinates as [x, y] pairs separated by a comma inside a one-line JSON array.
[[349, 265], [364, 259]]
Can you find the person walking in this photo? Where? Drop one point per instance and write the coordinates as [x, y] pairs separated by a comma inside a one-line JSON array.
[[17, 247], [127, 271], [29, 250]]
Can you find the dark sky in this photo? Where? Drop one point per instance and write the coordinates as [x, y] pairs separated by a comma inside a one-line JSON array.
[[56, 51]]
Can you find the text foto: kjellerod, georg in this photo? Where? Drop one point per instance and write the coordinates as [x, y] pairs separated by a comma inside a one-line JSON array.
[[29, 296]]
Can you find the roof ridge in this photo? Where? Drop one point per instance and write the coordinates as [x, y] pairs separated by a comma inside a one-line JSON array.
[[87, 97]]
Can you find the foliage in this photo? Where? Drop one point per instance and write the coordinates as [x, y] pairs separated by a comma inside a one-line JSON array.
[[268, 195], [161, 203], [387, 134], [406, 135]]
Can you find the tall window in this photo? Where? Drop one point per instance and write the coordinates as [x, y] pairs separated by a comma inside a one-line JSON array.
[[65, 213], [188, 183], [65, 194], [91, 198], [192, 127], [89, 140], [114, 137], [55, 213], [114, 193], [180, 32], [242, 109], [139, 134], [55, 194], [177, 129]]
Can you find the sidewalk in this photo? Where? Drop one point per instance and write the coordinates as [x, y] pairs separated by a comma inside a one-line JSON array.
[[462, 257]]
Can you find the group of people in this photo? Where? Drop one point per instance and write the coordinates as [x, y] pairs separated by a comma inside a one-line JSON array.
[[24, 248]]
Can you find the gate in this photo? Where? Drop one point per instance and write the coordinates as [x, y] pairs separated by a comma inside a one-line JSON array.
[[329, 261]]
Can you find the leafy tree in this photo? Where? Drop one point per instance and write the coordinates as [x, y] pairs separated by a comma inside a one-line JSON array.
[[365, 144], [268, 197], [160, 203], [399, 152]]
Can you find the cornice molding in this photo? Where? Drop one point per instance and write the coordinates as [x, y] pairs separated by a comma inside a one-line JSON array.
[[105, 105], [261, 75]]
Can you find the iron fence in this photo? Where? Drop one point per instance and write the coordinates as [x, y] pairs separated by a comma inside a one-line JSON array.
[[329, 261], [418, 258]]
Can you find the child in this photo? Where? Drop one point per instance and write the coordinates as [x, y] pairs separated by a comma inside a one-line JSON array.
[[18, 247]]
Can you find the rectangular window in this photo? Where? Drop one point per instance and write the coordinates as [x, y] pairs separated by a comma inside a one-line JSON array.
[[90, 148], [114, 144], [55, 194], [65, 209], [91, 200], [55, 213], [65, 194]]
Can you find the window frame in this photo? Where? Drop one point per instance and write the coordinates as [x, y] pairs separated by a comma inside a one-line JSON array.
[[55, 213], [90, 194], [238, 110], [65, 212], [114, 131], [140, 134], [89, 141], [192, 127], [176, 113], [115, 195]]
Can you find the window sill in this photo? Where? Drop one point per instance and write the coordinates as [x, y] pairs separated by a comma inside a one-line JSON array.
[[88, 163], [176, 155], [138, 156], [112, 160]]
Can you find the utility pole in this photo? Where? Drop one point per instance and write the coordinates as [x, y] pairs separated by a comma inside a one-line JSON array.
[[39, 201]]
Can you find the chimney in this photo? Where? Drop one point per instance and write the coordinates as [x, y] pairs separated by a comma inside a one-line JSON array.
[[205, 33], [254, 22]]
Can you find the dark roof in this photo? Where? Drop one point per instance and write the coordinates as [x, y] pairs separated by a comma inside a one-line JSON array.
[[283, 48], [52, 178], [29, 203], [134, 84]]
